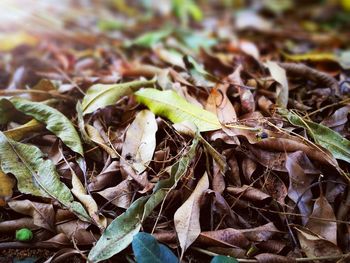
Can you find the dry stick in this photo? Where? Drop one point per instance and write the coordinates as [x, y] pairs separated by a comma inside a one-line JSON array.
[[312, 74], [329, 106], [246, 260], [22, 91]]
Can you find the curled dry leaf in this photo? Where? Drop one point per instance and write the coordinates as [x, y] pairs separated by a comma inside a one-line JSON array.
[[9, 226], [260, 233], [279, 74], [314, 245], [219, 104], [227, 237], [299, 190], [119, 195], [95, 136], [186, 218], [326, 229], [246, 96], [43, 214], [248, 192]]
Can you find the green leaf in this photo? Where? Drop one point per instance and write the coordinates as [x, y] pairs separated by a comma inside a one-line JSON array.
[[119, 234], [101, 95], [184, 9], [223, 259], [147, 249], [195, 40], [329, 139], [151, 38], [54, 120], [35, 175], [170, 105], [24, 234]]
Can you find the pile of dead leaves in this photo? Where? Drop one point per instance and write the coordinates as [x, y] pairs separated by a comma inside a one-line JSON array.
[[216, 137]]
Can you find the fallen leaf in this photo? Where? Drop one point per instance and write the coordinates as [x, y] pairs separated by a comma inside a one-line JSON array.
[[140, 142], [7, 183], [119, 234], [229, 236], [42, 214], [102, 95], [94, 135], [279, 74], [54, 121], [21, 131], [329, 139], [35, 175], [298, 189], [186, 218], [325, 229], [314, 245], [170, 105], [147, 249], [119, 195]]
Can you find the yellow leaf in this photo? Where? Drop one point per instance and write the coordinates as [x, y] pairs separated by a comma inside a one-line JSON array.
[[21, 131], [13, 40], [6, 183], [315, 57]]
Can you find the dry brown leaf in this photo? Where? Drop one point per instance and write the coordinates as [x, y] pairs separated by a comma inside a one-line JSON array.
[[89, 203], [186, 218], [42, 214], [326, 229], [260, 233], [299, 190], [97, 138], [246, 96], [140, 142], [219, 104], [227, 237], [314, 245], [248, 192], [119, 195]]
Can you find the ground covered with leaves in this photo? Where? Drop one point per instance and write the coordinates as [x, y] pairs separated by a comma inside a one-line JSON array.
[[167, 131]]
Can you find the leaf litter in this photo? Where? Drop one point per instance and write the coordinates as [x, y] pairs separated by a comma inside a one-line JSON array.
[[196, 131]]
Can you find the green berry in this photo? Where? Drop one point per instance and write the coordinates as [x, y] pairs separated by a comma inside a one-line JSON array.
[[24, 234]]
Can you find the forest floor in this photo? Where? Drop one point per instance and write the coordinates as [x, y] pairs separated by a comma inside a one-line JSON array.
[[167, 131]]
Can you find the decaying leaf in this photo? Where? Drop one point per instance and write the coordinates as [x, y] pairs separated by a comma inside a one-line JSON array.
[[55, 121], [35, 175], [43, 214], [186, 218], [314, 245], [140, 141], [279, 74], [95, 136], [326, 229]]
